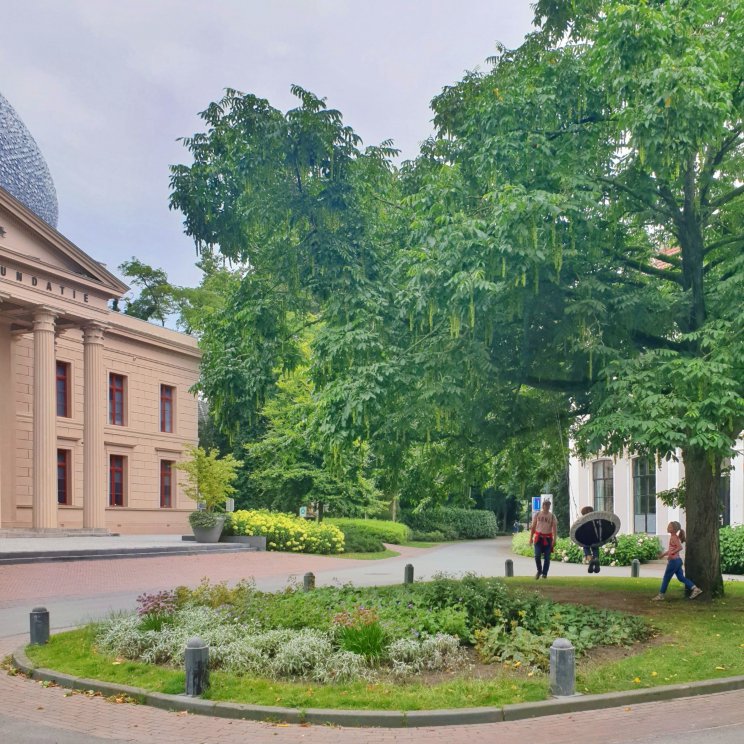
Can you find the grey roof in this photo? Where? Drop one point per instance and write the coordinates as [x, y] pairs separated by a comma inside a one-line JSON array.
[[23, 170]]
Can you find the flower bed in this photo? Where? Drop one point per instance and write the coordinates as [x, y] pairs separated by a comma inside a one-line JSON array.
[[346, 634]]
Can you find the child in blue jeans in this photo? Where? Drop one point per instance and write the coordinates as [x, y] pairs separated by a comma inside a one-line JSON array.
[[674, 564]]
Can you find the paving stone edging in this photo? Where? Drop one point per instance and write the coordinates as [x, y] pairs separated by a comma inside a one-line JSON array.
[[379, 718]]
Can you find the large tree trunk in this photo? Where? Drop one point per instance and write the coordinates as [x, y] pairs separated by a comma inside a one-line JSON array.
[[703, 556]]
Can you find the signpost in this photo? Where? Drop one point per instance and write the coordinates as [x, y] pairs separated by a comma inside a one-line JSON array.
[[303, 512]]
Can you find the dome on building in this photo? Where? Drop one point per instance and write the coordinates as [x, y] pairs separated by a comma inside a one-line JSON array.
[[23, 170]]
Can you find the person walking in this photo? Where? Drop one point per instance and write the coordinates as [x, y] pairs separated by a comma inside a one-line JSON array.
[[543, 534], [674, 563]]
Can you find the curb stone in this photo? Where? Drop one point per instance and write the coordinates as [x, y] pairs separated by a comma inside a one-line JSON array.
[[381, 718]]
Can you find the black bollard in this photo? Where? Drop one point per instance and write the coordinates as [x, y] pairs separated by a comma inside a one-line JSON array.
[[509, 567], [635, 569], [39, 622], [308, 581], [196, 661], [408, 574], [562, 668]]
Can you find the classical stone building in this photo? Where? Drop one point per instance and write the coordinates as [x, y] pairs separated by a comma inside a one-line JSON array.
[[95, 408]]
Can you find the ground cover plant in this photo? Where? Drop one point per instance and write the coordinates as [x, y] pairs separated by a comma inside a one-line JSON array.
[[621, 553], [344, 640]]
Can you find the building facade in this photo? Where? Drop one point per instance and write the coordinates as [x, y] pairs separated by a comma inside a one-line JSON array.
[[95, 408], [628, 487]]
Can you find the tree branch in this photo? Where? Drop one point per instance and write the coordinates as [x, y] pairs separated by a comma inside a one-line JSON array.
[[726, 198], [642, 198], [650, 270]]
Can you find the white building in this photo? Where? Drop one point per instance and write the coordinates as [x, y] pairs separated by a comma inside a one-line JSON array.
[[628, 486]]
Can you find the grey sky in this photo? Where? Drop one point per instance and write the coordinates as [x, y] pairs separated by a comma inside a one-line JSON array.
[[106, 87]]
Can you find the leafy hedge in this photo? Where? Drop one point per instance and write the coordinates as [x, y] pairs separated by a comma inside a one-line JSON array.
[[359, 540], [732, 549], [644, 547], [454, 523], [287, 532], [384, 530]]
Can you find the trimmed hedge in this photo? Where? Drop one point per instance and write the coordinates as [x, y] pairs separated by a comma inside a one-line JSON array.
[[732, 549], [384, 530], [454, 523], [358, 540], [641, 546], [287, 532]]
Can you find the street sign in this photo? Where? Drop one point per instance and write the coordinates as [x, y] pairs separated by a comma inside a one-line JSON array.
[[536, 501]]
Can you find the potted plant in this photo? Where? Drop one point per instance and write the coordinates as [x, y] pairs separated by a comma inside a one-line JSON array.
[[209, 480]]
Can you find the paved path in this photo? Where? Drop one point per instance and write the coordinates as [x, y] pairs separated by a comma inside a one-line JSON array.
[[30, 712]]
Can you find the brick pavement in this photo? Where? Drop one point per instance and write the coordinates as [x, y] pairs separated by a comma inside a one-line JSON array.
[[23, 699]]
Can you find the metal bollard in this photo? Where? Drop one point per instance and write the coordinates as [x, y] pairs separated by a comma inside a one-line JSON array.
[[635, 569], [562, 668], [196, 660], [509, 567], [308, 581], [408, 574], [39, 625]]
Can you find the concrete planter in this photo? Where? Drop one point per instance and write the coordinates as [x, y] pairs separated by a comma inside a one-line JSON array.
[[209, 534]]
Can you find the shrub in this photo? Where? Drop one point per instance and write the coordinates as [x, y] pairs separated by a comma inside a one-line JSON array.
[[288, 532], [641, 546], [455, 523], [434, 536], [384, 530], [360, 632], [732, 549], [410, 655], [358, 540]]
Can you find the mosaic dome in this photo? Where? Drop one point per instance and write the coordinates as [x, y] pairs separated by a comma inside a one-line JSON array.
[[23, 170]]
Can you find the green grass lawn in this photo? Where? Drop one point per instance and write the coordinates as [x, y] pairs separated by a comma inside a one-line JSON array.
[[695, 640], [387, 553]]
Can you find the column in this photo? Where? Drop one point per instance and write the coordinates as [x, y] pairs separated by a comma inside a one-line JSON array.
[[94, 453], [45, 421], [7, 451]]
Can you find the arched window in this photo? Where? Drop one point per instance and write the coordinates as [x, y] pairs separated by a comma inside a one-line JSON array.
[[604, 499]]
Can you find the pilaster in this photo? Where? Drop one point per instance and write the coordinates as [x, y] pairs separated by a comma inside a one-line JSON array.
[[94, 468]]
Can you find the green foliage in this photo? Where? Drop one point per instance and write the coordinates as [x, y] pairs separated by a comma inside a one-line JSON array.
[[288, 532], [359, 540], [732, 549], [209, 478], [203, 519], [643, 547], [360, 632], [157, 296], [386, 531], [457, 524]]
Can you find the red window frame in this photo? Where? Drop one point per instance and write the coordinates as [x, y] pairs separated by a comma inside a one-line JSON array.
[[167, 397], [63, 476], [166, 484], [116, 399], [62, 382], [116, 480]]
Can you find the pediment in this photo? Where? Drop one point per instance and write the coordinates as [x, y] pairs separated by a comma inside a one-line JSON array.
[[26, 237]]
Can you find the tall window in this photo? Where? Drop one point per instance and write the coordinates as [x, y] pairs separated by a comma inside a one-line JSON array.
[[644, 495], [724, 492], [63, 476], [116, 399], [603, 494], [166, 484], [167, 395], [63, 389], [116, 480]]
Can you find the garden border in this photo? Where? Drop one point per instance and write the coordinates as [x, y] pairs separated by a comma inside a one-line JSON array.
[[379, 718]]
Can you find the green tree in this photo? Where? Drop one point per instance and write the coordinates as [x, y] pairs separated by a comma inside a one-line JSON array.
[[209, 478], [578, 220], [156, 298]]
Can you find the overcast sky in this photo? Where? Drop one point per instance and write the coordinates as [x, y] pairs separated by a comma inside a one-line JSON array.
[[107, 86]]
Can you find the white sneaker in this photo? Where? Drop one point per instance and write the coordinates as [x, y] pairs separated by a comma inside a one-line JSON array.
[[658, 598], [696, 592]]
